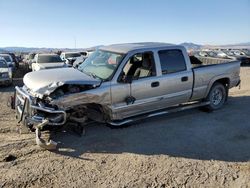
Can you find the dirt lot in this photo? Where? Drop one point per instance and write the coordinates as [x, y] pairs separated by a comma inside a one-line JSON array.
[[187, 149]]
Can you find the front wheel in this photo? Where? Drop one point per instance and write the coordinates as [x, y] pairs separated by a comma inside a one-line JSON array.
[[217, 96]]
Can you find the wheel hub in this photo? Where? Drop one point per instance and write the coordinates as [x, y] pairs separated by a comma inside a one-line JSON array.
[[217, 96]]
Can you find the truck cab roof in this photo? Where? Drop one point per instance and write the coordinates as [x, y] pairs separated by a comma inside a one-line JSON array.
[[127, 47]]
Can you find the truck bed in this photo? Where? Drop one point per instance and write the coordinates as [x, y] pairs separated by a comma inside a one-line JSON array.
[[207, 70], [205, 61]]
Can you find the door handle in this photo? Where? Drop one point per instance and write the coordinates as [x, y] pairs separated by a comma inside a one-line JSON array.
[[184, 79], [155, 84]]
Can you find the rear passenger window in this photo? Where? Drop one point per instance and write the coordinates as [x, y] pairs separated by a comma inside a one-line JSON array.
[[172, 61]]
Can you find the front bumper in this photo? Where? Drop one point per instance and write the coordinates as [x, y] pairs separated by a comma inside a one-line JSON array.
[[30, 113]]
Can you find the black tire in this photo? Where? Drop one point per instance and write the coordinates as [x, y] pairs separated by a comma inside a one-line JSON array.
[[217, 97]]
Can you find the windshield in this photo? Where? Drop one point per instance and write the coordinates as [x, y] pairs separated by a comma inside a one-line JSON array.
[[212, 54], [101, 64], [203, 53], [247, 52], [229, 52], [7, 58], [49, 59], [221, 53], [69, 55], [84, 53], [3, 64], [238, 53]]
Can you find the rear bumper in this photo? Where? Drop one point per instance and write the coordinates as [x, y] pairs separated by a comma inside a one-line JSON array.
[[30, 113]]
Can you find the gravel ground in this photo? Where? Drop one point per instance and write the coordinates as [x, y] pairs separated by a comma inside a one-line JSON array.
[[186, 149]]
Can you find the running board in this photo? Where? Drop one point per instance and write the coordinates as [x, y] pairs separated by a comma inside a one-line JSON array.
[[158, 113]]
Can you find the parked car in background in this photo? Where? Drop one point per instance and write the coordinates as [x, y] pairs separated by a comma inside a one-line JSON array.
[[19, 59], [87, 53], [239, 52], [221, 54], [210, 53], [203, 54], [47, 61], [14, 58], [72, 58], [84, 53], [5, 73], [9, 60], [242, 55], [29, 59], [246, 51], [238, 55]]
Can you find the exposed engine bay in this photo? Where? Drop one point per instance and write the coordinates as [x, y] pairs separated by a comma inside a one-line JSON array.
[[68, 89]]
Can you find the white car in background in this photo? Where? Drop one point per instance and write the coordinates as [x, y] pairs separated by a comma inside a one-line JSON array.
[[47, 61], [5, 73], [29, 59], [10, 62], [87, 53], [72, 58], [221, 54]]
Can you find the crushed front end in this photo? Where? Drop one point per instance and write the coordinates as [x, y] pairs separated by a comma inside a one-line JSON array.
[[36, 114], [31, 110]]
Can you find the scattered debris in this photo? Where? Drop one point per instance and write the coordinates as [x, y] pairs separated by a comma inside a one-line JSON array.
[[9, 158], [51, 145]]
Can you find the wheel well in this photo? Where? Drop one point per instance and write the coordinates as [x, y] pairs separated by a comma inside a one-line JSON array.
[[224, 81], [93, 111]]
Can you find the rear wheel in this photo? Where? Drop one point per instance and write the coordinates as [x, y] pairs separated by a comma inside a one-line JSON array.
[[217, 97]]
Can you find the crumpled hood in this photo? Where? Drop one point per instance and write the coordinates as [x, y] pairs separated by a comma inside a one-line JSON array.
[[51, 65], [44, 82]]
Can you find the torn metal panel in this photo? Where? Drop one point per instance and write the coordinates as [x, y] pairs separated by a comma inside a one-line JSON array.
[[51, 145], [49, 80], [98, 96]]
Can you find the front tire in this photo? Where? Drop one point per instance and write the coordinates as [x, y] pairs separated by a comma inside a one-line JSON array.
[[217, 96]]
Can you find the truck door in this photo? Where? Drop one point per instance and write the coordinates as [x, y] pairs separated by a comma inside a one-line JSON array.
[[176, 81], [138, 88]]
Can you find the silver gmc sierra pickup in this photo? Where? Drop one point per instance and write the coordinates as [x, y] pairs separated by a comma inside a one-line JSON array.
[[120, 83]]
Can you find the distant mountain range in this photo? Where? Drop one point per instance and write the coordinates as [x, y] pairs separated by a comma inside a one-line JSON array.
[[187, 45], [192, 46], [27, 50], [239, 45]]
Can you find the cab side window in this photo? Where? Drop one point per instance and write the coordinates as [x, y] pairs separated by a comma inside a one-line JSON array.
[[172, 61], [140, 65]]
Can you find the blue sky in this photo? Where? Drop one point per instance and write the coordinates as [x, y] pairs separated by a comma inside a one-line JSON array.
[[58, 23]]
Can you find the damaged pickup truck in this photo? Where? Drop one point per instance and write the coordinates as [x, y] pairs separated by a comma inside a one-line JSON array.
[[122, 83]]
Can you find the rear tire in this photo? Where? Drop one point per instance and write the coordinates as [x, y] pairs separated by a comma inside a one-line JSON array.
[[217, 97]]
